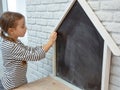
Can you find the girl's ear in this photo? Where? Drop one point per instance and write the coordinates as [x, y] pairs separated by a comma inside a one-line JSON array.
[[10, 31]]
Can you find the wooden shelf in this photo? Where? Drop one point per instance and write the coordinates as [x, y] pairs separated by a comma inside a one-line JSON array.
[[47, 83]]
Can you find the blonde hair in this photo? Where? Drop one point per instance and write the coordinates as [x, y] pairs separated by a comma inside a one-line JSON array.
[[9, 20]]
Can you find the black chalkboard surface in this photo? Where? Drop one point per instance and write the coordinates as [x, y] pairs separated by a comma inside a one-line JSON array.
[[79, 51]]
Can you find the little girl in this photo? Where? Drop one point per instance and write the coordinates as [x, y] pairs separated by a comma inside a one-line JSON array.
[[15, 53]]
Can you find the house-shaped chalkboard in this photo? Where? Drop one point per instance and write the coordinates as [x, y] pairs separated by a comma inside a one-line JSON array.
[[80, 48]]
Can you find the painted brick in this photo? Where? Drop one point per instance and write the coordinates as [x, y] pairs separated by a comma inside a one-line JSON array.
[[40, 65], [41, 8], [31, 8], [115, 70], [48, 67], [49, 29], [105, 16], [43, 35], [35, 2], [113, 87], [43, 71], [46, 1], [37, 27], [37, 74], [32, 33], [47, 15], [53, 7], [28, 2], [112, 26], [41, 22], [58, 15], [116, 16], [52, 22], [110, 4], [31, 21], [116, 60], [95, 5], [116, 37], [116, 80], [62, 7], [31, 15], [37, 14], [32, 77], [60, 1], [50, 62], [33, 65]]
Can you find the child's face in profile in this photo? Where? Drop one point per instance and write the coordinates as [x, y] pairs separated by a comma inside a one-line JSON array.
[[20, 29]]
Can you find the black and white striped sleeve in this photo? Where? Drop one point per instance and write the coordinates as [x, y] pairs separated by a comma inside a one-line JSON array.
[[21, 52]]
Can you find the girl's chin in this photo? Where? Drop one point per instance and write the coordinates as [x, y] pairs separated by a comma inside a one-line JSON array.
[[22, 35]]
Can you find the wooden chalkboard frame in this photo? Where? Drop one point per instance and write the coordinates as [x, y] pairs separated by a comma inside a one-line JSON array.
[[109, 45]]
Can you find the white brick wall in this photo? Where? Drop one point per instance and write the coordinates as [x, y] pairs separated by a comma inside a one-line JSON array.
[[43, 15]]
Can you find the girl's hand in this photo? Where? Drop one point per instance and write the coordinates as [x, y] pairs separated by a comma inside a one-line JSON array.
[[52, 38], [51, 41]]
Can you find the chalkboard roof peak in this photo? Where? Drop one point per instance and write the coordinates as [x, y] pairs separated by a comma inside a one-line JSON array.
[[96, 22]]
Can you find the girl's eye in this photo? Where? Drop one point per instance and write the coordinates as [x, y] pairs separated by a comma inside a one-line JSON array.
[[23, 26]]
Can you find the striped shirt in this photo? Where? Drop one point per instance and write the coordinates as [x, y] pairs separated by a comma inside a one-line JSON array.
[[15, 57]]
